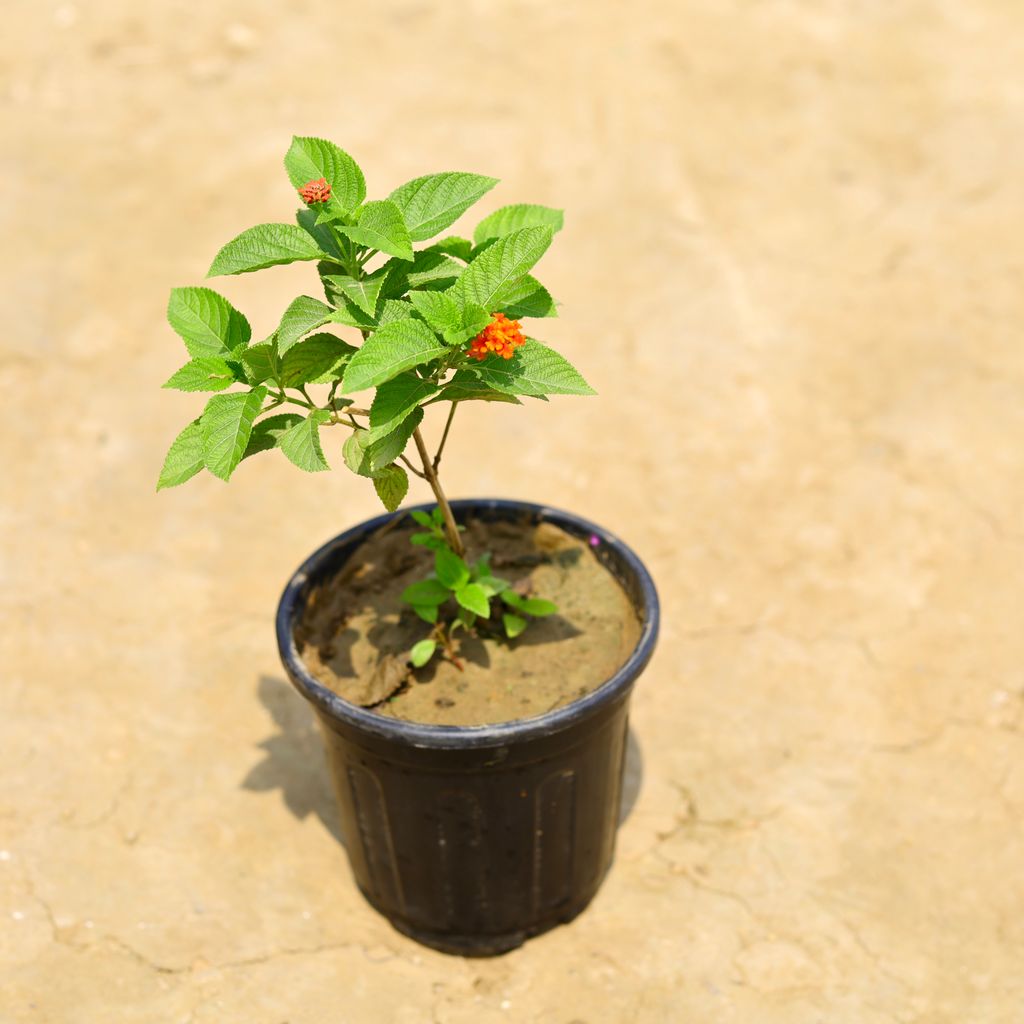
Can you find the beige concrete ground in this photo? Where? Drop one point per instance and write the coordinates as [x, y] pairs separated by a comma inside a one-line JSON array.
[[793, 269]]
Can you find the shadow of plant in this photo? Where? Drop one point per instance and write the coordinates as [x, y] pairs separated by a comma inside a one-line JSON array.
[[294, 757]]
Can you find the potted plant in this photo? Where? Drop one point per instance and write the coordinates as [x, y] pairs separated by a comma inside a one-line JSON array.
[[471, 661]]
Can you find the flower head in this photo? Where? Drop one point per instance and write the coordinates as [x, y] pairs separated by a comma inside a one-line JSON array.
[[317, 191], [501, 336]]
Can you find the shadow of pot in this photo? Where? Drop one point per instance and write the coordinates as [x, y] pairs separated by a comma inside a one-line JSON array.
[[471, 839]]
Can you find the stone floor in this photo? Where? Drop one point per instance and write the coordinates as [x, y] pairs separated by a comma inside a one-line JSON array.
[[792, 267]]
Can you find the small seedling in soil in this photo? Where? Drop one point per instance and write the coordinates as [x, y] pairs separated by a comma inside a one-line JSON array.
[[459, 595]]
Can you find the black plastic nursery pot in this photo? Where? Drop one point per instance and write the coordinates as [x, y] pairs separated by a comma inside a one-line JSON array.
[[471, 839]]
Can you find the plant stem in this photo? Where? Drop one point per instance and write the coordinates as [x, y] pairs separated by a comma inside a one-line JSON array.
[[444, 436], [450, 529]]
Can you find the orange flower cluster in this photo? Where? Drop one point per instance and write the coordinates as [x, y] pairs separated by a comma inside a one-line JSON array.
[[317, 191], [501, 336]]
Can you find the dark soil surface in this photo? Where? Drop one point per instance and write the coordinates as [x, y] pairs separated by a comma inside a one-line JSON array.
[[356, 634]]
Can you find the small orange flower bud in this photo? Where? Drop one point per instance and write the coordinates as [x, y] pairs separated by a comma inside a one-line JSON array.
[[317, 191], [501, 336]]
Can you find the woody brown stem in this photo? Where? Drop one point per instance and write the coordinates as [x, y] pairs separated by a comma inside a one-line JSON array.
[[450, 529]]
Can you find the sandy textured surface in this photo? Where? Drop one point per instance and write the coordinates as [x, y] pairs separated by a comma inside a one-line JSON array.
[[792, 268]]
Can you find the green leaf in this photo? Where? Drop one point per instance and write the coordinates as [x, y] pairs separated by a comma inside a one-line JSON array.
[[427, 612], [321, 234], [514, 625], [301, 444], [492, 585], [534, 370], [265, 245], [453, 245], [227, 423], [514, 218], [261, 362], [441, 312], [504, 262], [318, 359], [431, 271], [207, 323], [451, 570], [422, 652], [385, 446], [434, 202], [184, 458], [205, 374], [466, 388], [366, 452], [525, 297], [474, 319], [395, 347], [396, 399], [380, 226], [428, 591], [421, 517], [303, 315], [473, 598], [353, 451], [391, 484], [364, 292], [538, 606], [309, 159], [268, 432], [531, 605]]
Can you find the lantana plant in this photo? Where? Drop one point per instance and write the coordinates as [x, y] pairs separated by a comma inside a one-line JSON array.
[[441, 324]]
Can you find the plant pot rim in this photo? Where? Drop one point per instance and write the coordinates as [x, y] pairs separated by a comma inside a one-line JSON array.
[[420, 734]]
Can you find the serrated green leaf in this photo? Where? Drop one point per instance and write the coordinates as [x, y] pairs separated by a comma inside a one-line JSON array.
[[318, 359], [429, 271], [504, 262], [538, 606], [227, 423], [267, 433], [301, 444], [428, 591], [514, 218], [466, 388], [395, 347], [422, 652], [474, 319], [525, 297], [303, 315], [514, 625], [453, 245], [364, 292], [384, 447], [310, 158], [534, 370], [261, 362], [441, 312], [391, 484], [322, 235], [207, 373], [184, 457], [473, 598], [380, 226], [207, 323], [396, 399], [353, 451], [435, 201], [265, 245], [451, 570]]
